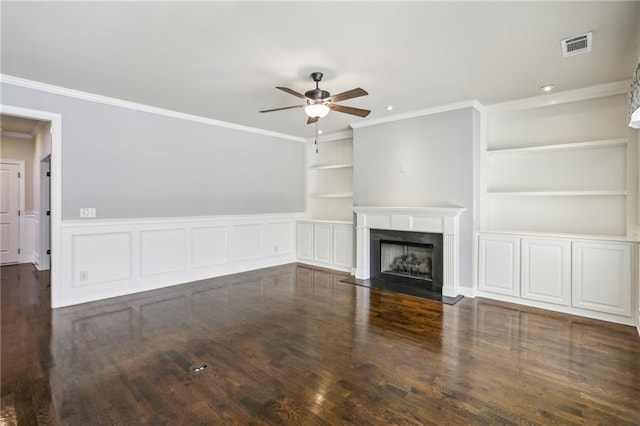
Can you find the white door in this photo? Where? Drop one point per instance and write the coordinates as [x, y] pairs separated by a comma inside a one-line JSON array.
[[9, 213]]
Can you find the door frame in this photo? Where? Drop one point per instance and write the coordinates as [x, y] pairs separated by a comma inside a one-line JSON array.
[[44, 225], [21, 207], [56, 190]]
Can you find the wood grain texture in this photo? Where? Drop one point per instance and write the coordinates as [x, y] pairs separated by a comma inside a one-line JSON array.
[[294, 345]]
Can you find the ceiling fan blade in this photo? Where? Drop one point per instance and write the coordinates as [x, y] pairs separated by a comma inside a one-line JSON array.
[[350, 110], [349, 94], [312, 120], [280, 109], [292, 92]]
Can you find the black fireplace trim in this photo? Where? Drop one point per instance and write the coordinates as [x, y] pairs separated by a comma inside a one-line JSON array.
[[376, 236]]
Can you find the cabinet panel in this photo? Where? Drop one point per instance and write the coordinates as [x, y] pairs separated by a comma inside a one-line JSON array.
[[546, 270], [343, 246], [304, 241], [602, 277], [322, 240], [499, 267]]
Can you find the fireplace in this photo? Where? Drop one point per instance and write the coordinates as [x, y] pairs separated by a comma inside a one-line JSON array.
[[415, 257], [406, 260], [438, 226]]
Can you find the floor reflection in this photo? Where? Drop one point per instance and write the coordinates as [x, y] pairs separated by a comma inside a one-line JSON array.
[[296, 345]]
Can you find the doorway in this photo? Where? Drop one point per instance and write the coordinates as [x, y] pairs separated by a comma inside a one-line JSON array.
[[54, 192]]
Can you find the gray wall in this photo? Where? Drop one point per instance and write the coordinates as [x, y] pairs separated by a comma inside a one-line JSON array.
[[132, 164], [420, 162]]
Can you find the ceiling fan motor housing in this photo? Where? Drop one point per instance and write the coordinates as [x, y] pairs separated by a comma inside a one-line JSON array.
[[317, 94]]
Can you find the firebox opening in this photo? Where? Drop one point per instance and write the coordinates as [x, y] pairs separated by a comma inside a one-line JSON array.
[[407, 259]]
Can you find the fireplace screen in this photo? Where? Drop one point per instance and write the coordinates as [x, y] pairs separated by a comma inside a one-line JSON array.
[[411, 260]]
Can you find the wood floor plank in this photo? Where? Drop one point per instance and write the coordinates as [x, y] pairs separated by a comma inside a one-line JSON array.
[[294, 345]]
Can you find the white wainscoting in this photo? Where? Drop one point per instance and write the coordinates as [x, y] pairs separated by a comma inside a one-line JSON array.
[[109, 258]]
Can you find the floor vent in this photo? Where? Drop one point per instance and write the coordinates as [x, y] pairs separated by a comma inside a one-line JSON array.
[[577, 45], [199, 367]]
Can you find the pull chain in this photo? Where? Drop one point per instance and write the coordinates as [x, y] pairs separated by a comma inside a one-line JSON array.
[[316, 138]]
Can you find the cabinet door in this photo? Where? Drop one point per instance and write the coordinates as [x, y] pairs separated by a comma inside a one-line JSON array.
[[322, 240], [602, 277], [546, 270], [304, 241], [343, 246], [499, 264]]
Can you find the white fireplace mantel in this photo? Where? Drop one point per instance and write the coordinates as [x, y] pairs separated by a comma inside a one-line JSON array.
[[443, 220]]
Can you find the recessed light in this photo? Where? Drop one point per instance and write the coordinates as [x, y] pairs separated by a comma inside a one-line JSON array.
[[547, 88], [389, 107], [319, 132]]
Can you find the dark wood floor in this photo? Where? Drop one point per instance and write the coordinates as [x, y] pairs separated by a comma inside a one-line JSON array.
[[296, 345]]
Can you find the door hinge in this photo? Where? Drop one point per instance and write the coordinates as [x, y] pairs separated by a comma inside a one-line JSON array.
[[48, 174], [18, 212], [48, 212], [18, 251], [49, 251], [18, 175]]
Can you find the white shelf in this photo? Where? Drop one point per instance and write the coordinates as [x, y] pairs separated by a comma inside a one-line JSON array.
[[556, 193], [331, 167], [332, 195], [561, 146]]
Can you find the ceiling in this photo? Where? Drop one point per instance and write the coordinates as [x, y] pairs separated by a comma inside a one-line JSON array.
[[222, 60], [18, 126]]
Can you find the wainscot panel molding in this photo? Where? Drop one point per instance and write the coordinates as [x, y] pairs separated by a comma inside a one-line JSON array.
[[109, 258]]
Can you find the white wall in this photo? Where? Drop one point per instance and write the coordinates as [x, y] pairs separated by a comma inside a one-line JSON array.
[[425, 161], [133, 164]]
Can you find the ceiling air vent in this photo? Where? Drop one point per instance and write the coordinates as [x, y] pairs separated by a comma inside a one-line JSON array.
[[577, 45]]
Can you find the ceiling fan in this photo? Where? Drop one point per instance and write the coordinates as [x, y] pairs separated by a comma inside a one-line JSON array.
[[319, 102]]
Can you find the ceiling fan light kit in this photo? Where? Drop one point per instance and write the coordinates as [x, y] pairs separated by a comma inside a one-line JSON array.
[[317, 110]]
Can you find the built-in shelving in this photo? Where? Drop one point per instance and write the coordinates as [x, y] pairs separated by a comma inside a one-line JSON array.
[[564, 167], [561, 146], [332, 195], [332, 167], [556, 193], [330, 179]]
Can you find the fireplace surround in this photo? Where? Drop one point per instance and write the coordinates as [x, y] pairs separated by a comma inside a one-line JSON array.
[[411, 220]]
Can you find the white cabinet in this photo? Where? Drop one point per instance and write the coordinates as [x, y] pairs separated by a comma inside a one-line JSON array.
[[499, 268], [322, 242], [328, 244], [602, 277], [546, 270], [343, 246], [304, 241], [580, 276]]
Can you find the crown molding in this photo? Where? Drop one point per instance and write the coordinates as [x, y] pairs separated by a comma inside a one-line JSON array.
[[63, 91], [591, 92], [420, 113], [17, 135]]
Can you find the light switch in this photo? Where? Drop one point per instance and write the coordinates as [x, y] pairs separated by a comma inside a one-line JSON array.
[[87, 212]]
